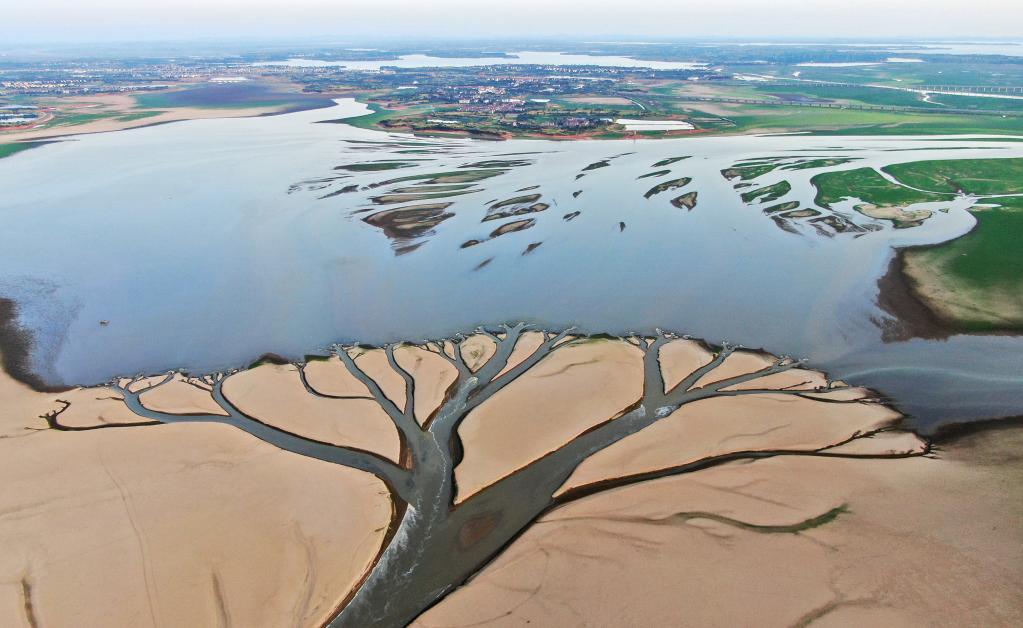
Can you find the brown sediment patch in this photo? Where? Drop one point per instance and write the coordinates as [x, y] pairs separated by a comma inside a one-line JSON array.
[[686, 201], [516, 211], [901, 217], [511, 227], [412, 221], [517, 200], [393, 199], [801, 213]]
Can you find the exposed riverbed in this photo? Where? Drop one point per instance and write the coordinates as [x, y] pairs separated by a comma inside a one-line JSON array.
[[204, 244]]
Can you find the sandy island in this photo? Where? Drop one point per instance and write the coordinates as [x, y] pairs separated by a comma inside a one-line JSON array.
[[121, 108]]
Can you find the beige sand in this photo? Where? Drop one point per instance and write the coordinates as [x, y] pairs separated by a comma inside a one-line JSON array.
[[924, 543], [526, 345], [899, 214], [120, 105], [574, 388], [181, 396], [275, 395], [433, 376], [172, 525], [196, 525], [476, 350]]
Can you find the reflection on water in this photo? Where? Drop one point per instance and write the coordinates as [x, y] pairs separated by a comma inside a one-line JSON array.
[[207, 243]]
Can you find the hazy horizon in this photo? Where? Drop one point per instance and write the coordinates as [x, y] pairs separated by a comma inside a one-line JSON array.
[[65, 21]]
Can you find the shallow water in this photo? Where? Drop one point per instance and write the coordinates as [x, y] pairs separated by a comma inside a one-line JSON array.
[[204, 245]]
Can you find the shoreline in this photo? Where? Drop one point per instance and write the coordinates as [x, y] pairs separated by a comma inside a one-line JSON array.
[[16, 343], [899, 296], [177, 114]]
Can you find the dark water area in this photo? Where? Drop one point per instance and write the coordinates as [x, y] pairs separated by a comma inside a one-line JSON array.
[[240, 94], [205, 244]]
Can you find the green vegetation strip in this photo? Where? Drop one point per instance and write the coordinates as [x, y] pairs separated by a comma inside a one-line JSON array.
[[981, 272], [970, 176], [867, 185], [6, 150], [768, 193]]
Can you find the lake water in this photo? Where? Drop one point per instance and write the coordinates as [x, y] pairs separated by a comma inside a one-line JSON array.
[[517, 58], [209, 242]]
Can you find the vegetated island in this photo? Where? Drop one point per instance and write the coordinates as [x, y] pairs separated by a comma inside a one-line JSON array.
[[507, 475], [973, 283]]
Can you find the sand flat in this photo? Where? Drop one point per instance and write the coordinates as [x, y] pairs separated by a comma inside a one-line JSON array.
[[180, 397], [903, 554], [476, 350], [572, 389], [174, 525], [679, 358], [433, 376], [725, 424], [743, 362], [274, 394]]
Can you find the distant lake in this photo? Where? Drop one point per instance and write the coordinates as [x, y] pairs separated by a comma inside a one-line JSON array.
[[209, 242], [517, 58]]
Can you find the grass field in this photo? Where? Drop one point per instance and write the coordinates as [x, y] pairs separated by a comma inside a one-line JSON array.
[[6, 150], [380, 113], [972, 176], [867, 185], [741, 118], [976, 281]]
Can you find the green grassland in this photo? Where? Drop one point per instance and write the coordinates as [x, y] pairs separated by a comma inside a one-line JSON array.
[[748, 118], [768, 193], [867, 185], [974, 282], [6, 150], [970, 176], [990, 255], [977, 280]]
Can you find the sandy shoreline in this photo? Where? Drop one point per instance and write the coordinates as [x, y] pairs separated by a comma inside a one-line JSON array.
[[899, 295], [125, 105]]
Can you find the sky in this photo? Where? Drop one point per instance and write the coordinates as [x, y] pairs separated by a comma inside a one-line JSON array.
[[138, 20]]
